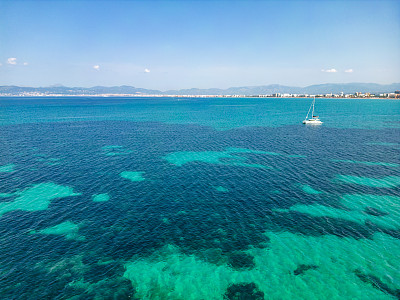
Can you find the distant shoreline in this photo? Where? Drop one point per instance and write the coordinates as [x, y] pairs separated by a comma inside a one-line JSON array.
[[328, 90], [194, 96]]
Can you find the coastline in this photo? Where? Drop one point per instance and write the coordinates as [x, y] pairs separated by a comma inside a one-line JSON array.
[[192, 96]]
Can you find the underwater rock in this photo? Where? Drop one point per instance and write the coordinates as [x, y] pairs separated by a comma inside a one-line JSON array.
[[110, 288], [243, 291], [97, 272], [213, 255], [374, 212], [240, 261], [303, 268], [377, 283]]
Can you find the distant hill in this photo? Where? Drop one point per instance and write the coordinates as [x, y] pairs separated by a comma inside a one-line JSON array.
[[351, 88], [347, 88], [244, 90], [59, 89]]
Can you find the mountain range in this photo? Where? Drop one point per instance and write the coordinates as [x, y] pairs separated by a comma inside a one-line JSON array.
[[336, 88]]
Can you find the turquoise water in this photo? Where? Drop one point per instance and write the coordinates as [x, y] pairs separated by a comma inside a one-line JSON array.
[[174, 198], [219, 113]]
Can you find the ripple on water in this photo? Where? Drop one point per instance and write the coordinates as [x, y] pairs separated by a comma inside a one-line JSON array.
[[227, 157], [385, 182], [385, 144], [82, 278], [115, 150], [215, 233], [230, 157], [367, 163], [7, 195]]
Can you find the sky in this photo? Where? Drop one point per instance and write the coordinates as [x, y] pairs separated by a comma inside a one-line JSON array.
[[198, 44]]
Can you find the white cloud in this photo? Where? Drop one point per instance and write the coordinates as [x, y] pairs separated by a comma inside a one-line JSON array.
[[96, 67], [12, 61], [146, 70], [349, 71], [329, 70], [1, 64], [25, 63]]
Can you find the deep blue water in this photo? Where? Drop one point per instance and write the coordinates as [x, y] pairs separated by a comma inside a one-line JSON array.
[[226, 199]]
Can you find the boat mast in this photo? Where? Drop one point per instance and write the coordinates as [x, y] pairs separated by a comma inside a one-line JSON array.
[[308, 113], [312, 116]]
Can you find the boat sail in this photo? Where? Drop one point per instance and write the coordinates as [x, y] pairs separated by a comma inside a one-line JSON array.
[[314, 119]]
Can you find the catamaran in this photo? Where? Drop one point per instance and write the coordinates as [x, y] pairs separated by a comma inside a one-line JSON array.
[[314, 119]]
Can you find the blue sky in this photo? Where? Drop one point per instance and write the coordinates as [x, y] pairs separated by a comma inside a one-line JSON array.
[[204, 44]]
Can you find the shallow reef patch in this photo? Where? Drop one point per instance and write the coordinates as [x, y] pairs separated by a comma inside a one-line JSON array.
[[290, 260], [227, 157], [37, 197], [221, 189], [309, 190], [380, 210], [133, 176], [7, 168], [100, 197], [367, 163], [385, 182], [67, 229]]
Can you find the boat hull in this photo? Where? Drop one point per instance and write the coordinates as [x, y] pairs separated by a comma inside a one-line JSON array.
[[312, 122]]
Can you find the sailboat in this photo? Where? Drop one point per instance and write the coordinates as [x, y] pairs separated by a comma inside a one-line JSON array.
[[314, 119]]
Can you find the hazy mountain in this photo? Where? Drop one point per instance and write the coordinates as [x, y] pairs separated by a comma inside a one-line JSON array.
[[60, 89], [351, 88], [245, 90], [276, 88]]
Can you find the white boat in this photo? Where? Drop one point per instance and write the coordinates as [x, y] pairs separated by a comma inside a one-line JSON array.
[[314, 119]]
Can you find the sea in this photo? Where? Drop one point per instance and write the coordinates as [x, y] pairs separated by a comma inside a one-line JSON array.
[[199, 198]]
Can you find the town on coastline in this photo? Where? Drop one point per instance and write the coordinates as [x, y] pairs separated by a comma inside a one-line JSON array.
[[394, 95], [388, 95], [328, 90]]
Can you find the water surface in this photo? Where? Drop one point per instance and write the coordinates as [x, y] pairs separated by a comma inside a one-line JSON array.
[[164, 198]]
